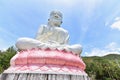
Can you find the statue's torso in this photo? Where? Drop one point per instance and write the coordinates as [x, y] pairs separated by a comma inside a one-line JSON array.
[[52, 34]]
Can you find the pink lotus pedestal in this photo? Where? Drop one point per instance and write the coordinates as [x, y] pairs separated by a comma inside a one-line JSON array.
[[45, 64]]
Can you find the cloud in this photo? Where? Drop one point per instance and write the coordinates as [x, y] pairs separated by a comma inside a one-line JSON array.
[[3, 45], [63, 2], [111, 48], [116, 24], [86, 6], [7, 32], [6, 38], [117, 18]]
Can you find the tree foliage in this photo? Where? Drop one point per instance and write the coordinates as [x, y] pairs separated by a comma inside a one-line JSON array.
[[103, 68], [5, 57]]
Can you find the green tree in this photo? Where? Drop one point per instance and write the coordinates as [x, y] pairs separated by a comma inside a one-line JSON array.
[[103, 68], [5, 58]]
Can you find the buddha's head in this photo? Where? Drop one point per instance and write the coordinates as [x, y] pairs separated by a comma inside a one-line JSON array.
[[55, 18]]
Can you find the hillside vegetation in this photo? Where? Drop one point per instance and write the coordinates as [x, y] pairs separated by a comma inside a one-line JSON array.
[[5, 57], [103, 68]]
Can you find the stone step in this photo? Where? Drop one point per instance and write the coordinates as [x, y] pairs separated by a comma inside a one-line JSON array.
[[39, 76]]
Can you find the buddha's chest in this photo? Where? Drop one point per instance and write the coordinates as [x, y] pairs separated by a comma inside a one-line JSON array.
[[51, 35]]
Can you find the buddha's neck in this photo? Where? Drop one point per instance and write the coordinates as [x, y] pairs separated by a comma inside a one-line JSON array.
[[50, 24]]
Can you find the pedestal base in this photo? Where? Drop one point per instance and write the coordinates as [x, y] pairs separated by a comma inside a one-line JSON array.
[[38, 76]]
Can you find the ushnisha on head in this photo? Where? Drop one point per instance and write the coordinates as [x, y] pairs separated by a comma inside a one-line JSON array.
[[55, 19], [55, 12]]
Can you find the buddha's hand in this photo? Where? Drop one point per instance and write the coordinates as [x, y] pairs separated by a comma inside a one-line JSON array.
[[53, 42]]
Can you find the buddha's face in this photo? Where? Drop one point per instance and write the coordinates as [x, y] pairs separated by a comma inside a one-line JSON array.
[[55, 18]]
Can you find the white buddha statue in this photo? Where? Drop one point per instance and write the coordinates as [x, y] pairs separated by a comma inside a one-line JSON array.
[[50, 36]]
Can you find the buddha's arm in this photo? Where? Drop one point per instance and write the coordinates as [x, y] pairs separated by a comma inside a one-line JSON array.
[[63, 38], [40, 32], [66, 39]]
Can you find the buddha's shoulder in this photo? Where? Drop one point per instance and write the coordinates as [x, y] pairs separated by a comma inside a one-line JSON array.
[[43, 26], [61, 30]]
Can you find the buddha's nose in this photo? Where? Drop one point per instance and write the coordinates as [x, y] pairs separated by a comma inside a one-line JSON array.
[[56, 16]]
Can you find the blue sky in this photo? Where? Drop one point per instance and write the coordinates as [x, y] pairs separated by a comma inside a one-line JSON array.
[[95, 24]]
